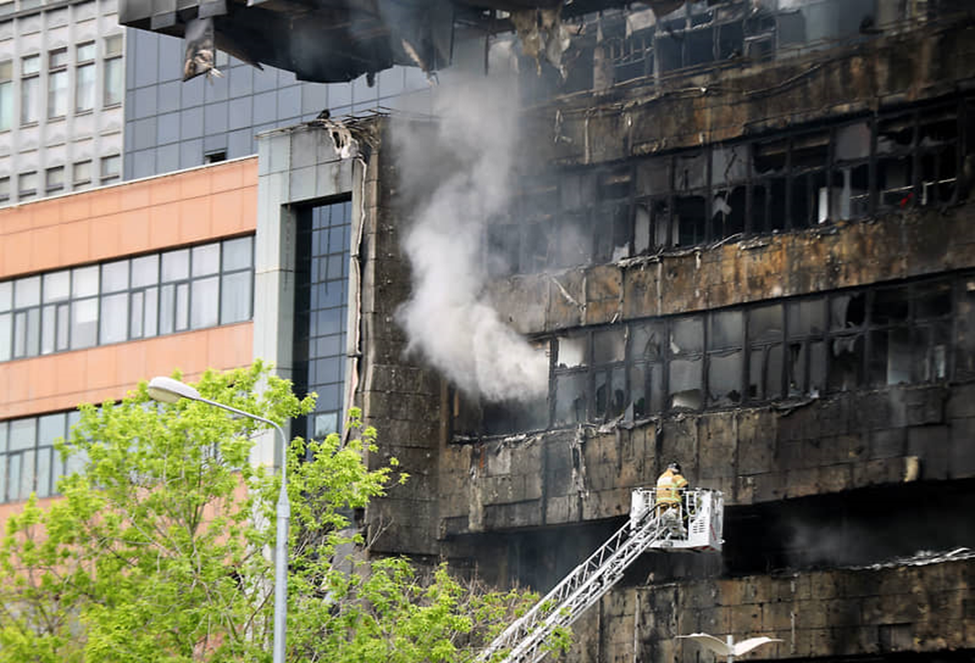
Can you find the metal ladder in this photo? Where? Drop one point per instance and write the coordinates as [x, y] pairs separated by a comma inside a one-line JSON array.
[[577, 591]]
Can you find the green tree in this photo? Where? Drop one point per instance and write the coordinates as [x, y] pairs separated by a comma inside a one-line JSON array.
[[158, 550]]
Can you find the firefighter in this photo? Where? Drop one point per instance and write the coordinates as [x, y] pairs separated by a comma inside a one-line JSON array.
[[670, 492]]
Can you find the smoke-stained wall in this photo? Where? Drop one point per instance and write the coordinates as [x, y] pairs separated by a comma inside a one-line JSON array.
[[513, 507]]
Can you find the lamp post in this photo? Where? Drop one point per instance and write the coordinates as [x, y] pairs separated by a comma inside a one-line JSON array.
[[168, 390]]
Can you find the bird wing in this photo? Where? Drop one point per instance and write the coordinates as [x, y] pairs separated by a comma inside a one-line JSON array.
[[746, 646], [716, 645]]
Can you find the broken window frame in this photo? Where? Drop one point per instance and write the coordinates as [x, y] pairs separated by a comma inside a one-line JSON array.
[[940, 329]]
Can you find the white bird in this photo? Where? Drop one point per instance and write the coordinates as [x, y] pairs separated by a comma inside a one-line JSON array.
[[728, 648]]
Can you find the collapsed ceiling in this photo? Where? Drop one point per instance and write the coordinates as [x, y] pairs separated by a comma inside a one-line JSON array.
[[339, 40]]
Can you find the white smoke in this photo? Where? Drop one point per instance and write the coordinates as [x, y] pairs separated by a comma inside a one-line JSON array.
[[460, 172]]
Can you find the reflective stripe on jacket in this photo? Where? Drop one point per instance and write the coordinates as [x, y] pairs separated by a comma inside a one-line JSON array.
[[668, 486]]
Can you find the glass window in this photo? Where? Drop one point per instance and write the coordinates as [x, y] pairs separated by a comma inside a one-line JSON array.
[[205, 303], [84, 281], [57, 83], [114, 72], [235, 297], [30, 68], [237, 254], [114, 318], [81, 173], [6, 95], [111, 169], [57, 286], [27, 185], [205, 259], [54, 179], [4, 189], [27, 292], [115, 301], [145, 271], [115, 276], [175, 265], [84, 323], [84, 89]]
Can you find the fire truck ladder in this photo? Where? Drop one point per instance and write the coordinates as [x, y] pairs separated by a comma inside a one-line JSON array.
[[571, 597], [592, 579]]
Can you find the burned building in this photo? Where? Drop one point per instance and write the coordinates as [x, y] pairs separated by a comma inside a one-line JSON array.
[[738, 234]]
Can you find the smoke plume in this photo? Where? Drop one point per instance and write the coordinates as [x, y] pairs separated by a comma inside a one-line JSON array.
[[455, 174]]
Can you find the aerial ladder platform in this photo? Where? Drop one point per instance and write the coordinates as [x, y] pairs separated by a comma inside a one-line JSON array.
[[695, 525]]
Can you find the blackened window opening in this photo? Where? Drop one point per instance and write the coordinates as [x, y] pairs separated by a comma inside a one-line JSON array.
[[804, 179], [799, 348]]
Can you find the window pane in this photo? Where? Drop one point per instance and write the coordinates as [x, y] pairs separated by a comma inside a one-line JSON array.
[[84, 323], [687, 336], [647, 341], [610, 393], [57, 94], [113, 82], [43, 472], [81, 172], [23, 434], [890, 305], [136, 309], [609, 346], [807, 318], [27, 292], [237, 254], [54, 180], [115, 276], [114, 316], [63, 328], [726, 330], [570, 398], [86, 52], [235, 298], [845, 363], [49, 328], [724, 378], [206, 259], [6, 295], [182, 306], [151, 312], [572, 351], [111, 168], [933, 300], [685, 384], [84, 91], [84, 281], [29, 88], [205, 303], [765, 324], [6, 331], [145, 271], [847, 311], [167, 309], [6, 105], [175, 265]]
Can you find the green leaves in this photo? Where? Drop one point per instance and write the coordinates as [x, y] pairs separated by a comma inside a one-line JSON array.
[[158, 550]]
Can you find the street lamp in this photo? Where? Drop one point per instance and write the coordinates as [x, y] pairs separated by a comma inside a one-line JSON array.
[[168, 390]]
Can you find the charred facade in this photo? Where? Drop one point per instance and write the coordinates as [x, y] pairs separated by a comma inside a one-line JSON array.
[[755, 254]]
